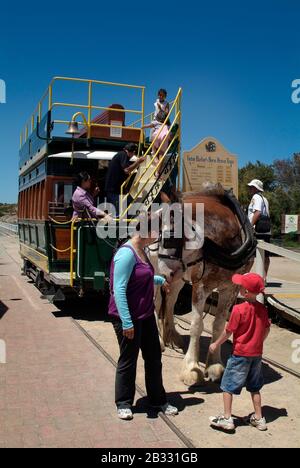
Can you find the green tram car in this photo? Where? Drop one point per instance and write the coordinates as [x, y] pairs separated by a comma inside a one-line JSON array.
[[62, 138]]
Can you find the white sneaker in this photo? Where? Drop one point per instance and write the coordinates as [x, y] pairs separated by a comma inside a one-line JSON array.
[[169, 410], [222, 422], [260, 424], [125, 413]]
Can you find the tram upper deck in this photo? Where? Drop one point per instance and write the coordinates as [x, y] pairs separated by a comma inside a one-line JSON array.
[[103, 124], [79, 125]]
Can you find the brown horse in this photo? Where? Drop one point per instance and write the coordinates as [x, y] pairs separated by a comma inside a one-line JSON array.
[[229, 247]]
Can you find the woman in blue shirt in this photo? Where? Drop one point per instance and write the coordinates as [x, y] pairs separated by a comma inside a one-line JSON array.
[[131, 306]]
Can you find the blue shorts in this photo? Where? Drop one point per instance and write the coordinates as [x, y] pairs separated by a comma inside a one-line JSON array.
[[242, 372]]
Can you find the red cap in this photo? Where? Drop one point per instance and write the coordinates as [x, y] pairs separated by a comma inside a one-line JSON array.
[[253, 282]]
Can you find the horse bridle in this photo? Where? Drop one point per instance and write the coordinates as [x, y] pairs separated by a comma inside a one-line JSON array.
[[178, 257]]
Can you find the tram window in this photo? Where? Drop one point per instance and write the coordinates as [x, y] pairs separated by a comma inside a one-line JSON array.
[[63, 192], [41, 236], [33, 239], [26, 233], [21, 232]]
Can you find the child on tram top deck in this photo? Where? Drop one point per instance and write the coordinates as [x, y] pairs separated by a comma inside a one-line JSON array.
[[161, 103], [250, 326]]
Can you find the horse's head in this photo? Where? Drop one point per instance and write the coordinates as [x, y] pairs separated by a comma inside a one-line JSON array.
[[180, 241]]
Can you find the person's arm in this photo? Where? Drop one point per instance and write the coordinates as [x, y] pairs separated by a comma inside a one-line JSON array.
[[132, 167], [256, 217], [86, 202], [159, 280], [257, 208], [148, 126], [124, 262], [224, 337]]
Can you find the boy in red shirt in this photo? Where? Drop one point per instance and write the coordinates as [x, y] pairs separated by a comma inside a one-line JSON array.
[[250, 326]]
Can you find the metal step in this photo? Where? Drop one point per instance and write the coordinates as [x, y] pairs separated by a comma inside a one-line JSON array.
[[60, 278]]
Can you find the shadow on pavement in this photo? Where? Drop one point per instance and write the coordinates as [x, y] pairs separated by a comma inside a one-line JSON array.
[[89, 309], [174, 398]]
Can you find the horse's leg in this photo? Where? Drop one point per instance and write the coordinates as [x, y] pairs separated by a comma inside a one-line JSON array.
[[214, 366], [191, 373], [169, 333]]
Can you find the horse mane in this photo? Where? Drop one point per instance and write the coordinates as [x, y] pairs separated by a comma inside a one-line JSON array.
[[208, 189]]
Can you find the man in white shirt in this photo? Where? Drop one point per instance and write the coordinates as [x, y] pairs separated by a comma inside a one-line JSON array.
[[259, 206]]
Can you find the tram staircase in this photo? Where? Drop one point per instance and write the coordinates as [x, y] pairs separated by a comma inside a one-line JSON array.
[[146, 185]]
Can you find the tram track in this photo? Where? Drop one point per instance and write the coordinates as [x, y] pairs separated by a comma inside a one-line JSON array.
[[265, 359], [174, 428]]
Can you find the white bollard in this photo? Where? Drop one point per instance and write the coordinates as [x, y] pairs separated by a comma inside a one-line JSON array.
[[260, 267]]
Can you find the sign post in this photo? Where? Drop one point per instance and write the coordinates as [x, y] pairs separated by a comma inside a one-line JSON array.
[[209, 161]]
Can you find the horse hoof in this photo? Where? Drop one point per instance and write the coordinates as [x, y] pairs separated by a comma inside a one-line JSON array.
[[192, 376], [214, 372]]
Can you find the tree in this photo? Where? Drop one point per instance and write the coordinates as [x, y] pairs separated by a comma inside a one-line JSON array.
[[287, 171]]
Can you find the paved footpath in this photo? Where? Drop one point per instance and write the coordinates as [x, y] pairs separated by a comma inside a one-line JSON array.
[[56, 388]]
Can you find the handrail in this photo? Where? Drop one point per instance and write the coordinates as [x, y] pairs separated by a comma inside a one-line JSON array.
[[58, 250], [92, 124], [49, 93], [10, 227], [59, 222], [176, 105], [158, 150], [155, 169], [260, 258], [176, 100], [84, 106], [282, 252], [72, 251]]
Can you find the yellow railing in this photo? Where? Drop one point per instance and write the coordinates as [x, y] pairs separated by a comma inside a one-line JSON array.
[[72, 251], [176, 106], [50, 105]]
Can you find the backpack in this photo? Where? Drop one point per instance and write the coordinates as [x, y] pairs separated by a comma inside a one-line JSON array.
[[263, 225]]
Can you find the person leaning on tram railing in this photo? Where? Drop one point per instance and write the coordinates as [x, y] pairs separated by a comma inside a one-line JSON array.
[[119, 169], [83, 199]]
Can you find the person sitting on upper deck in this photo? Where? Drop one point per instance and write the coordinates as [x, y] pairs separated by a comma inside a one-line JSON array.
[[83, 200]]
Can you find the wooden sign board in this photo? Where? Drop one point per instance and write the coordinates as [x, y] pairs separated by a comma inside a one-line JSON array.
[[209, 161]]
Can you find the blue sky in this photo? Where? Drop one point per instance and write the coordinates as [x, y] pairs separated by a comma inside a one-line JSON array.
[[234, 60]]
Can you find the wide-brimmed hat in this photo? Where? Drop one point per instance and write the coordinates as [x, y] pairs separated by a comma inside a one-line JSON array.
[[257, 184]]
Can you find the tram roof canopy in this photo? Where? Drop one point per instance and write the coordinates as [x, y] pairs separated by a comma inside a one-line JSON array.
[[99, 155]]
